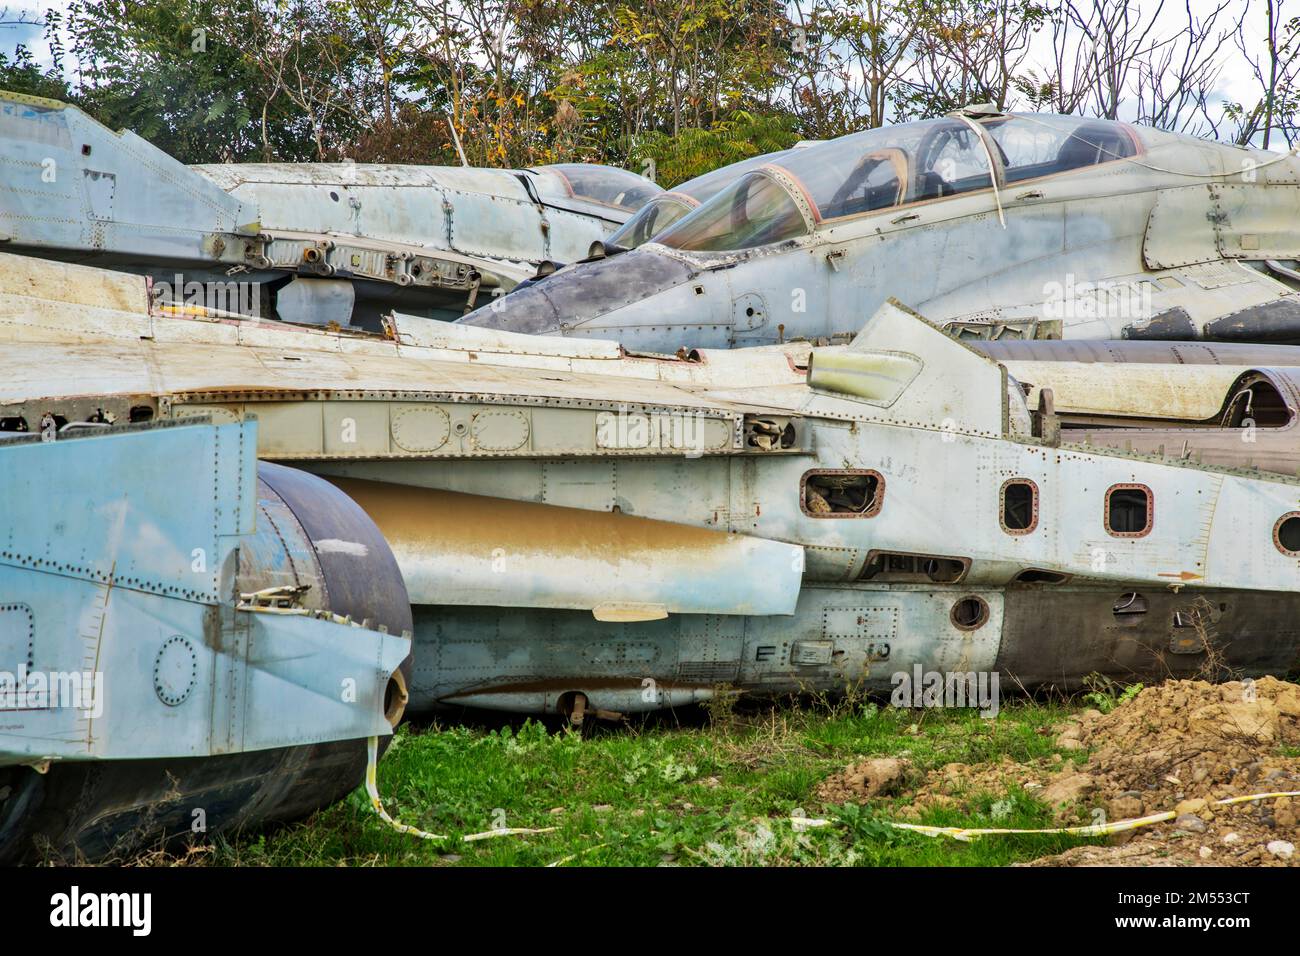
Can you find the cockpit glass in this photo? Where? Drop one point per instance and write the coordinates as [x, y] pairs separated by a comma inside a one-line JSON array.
[[950, 159], [884, 167], [1040, 145], [755, 210], [652, 218], [606, 185], [710, 184], [661, 212]]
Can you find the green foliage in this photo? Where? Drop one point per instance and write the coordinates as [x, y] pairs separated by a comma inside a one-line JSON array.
[[687, 85], [1106, 694], [214, 80], [381, 80], [22, 74], [693, 152]]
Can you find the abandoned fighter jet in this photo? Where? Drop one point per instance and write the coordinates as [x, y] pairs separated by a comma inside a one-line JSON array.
[[659, 213], [662, 211], [320, 243], [190, 642], [582, 529], [992, 225]]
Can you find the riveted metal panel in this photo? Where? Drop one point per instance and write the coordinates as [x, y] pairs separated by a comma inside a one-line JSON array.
[[420, 428], [1182, 228]]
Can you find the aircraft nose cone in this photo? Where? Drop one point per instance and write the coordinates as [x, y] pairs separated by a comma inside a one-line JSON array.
[[580, 293]]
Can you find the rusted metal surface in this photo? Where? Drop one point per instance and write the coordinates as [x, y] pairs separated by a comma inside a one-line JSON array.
[[468, 549]]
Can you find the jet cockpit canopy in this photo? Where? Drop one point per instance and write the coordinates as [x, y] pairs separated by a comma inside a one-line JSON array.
[[583, 185], [668, 207], [791, 195]]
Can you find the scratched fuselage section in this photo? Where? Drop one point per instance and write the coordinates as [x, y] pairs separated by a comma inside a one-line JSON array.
[[995, 226], [145, 693], [319, 243]]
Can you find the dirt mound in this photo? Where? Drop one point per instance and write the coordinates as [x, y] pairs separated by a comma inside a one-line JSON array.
[[862, 781], [1180, 746], [1183, 743]]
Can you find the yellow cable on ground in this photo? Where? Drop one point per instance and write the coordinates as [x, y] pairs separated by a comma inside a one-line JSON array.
[[372, 788], [1096, 829], [506, 831]]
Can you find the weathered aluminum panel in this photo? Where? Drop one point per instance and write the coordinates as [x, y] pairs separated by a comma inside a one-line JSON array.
[[411, 330], [70, 183], [1131, 390], [108, 526], [47, 301], [39, 299], [509, 659], [168, 368], [432, 238], [939, 381], [922, 469], [1270, 445], [1236, 354], [119, 562], [484, 214], [1035, 635], [356, 426], [1183, 226], [180, 679], [1258, 220]]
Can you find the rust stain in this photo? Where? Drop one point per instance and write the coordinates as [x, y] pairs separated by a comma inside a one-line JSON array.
[[421, 519]]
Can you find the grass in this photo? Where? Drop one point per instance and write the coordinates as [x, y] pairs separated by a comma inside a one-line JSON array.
[[717, 793]]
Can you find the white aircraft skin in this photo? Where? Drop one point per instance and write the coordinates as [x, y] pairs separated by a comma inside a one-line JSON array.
[[994, 226]]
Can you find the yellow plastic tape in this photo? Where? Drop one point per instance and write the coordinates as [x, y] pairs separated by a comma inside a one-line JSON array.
[[372, 788], [1096, 829]]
